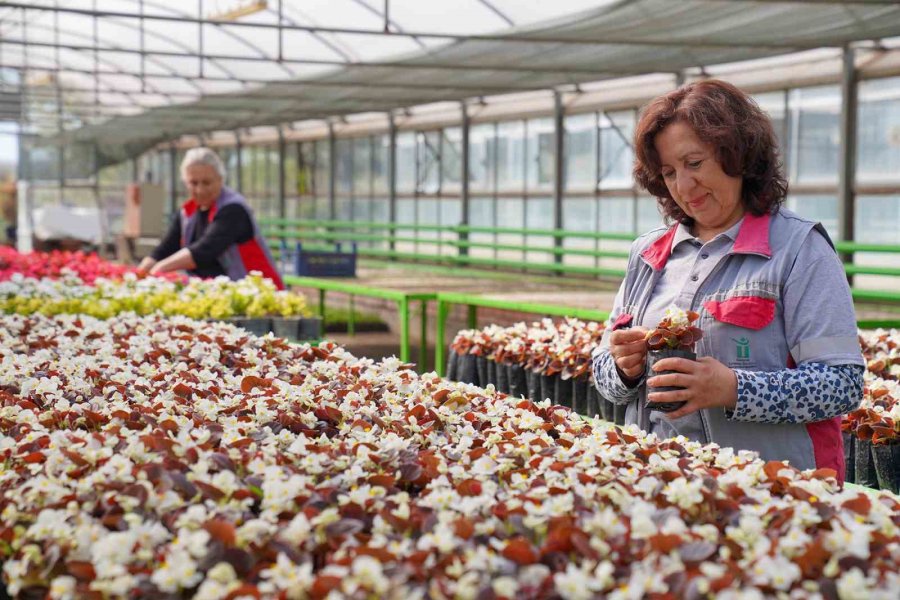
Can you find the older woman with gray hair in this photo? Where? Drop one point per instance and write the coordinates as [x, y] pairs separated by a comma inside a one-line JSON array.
[[214, 233]]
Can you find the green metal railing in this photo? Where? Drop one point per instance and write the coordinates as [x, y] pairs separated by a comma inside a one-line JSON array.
[[451, 245], [453, 253], [403, 300]]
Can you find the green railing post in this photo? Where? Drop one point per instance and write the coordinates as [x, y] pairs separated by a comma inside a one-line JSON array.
[[443, 310], [423, 336], [403, 309], [351, 319], [472, 317], [322, 306]]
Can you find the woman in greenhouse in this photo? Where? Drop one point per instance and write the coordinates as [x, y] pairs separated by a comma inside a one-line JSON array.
[[780, 361], [215, 232]]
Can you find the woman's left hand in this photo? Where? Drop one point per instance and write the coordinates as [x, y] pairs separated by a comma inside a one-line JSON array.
[[707, 383]]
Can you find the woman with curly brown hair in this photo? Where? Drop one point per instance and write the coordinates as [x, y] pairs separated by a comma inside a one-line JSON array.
[[779, 361]]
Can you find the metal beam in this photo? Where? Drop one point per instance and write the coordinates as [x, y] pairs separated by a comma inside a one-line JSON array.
[[173, 183], [392, 173], [239, 177], [332, 173], [322, 62], [559, 136], [847, 151], [282, 201], [466, 125], [606, 40]]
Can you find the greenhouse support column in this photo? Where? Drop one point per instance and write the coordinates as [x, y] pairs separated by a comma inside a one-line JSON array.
[[239, 174], [282, 202], [847, 180], [173, 183], [332, 173], [559, 174], [464, 182], [392, 177]]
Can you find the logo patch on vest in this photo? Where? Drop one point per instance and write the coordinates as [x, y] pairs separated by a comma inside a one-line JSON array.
[[742, 349]]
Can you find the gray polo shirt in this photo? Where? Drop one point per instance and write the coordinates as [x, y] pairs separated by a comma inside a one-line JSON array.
[[690, 261]]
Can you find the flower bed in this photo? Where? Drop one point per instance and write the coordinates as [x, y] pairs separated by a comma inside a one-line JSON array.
[[52, 265], [172, 458], [218, 298]]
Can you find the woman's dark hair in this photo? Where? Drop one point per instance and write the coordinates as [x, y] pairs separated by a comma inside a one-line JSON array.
[[728, 119]]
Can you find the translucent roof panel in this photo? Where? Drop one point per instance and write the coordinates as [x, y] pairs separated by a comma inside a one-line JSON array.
[[132, 73]]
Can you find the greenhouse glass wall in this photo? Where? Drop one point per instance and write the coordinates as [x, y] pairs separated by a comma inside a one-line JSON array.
[[511, 170]]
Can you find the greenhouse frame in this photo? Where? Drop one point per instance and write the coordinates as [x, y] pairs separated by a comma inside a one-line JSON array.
[[368, 114]]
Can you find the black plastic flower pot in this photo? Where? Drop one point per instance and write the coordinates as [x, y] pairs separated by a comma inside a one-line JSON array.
[[865, 465], [548, 388], [491, 373], [609, 409], [256, 325], [310, 328], [467, 371], [849, 457], [452, 364], [297, 328], [502, 378], [481, 364], [581, 398], [518, 380], [564, 394], [534, 385], [887, 466], [652, 358], [595, 399]]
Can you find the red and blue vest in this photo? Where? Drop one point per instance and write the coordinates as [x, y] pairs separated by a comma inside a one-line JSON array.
[[238, 259]]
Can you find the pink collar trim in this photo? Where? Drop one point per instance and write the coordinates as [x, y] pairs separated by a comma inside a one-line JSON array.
[[657, 253], [753, 236]]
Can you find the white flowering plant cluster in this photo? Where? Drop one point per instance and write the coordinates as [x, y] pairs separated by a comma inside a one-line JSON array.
[[878, 417], [544, 347], [169, 458], [881, 349], [218, 298]]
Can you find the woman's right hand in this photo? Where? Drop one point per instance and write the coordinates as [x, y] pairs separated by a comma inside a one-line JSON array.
[[628, 347]]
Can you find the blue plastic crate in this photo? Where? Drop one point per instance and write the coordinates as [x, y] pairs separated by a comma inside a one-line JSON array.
[[325, 264]]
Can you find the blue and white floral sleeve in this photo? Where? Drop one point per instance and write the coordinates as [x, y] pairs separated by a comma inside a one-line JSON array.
[[811, 392], [608, 381], [606, 377]]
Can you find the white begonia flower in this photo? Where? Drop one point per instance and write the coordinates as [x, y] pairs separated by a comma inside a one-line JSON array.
[[505, 587], [684, 493], [367, 572], [573, 584], [195, 543], [779, 573], [677, 316], [178, 571], [295, 580], [62, 588]]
